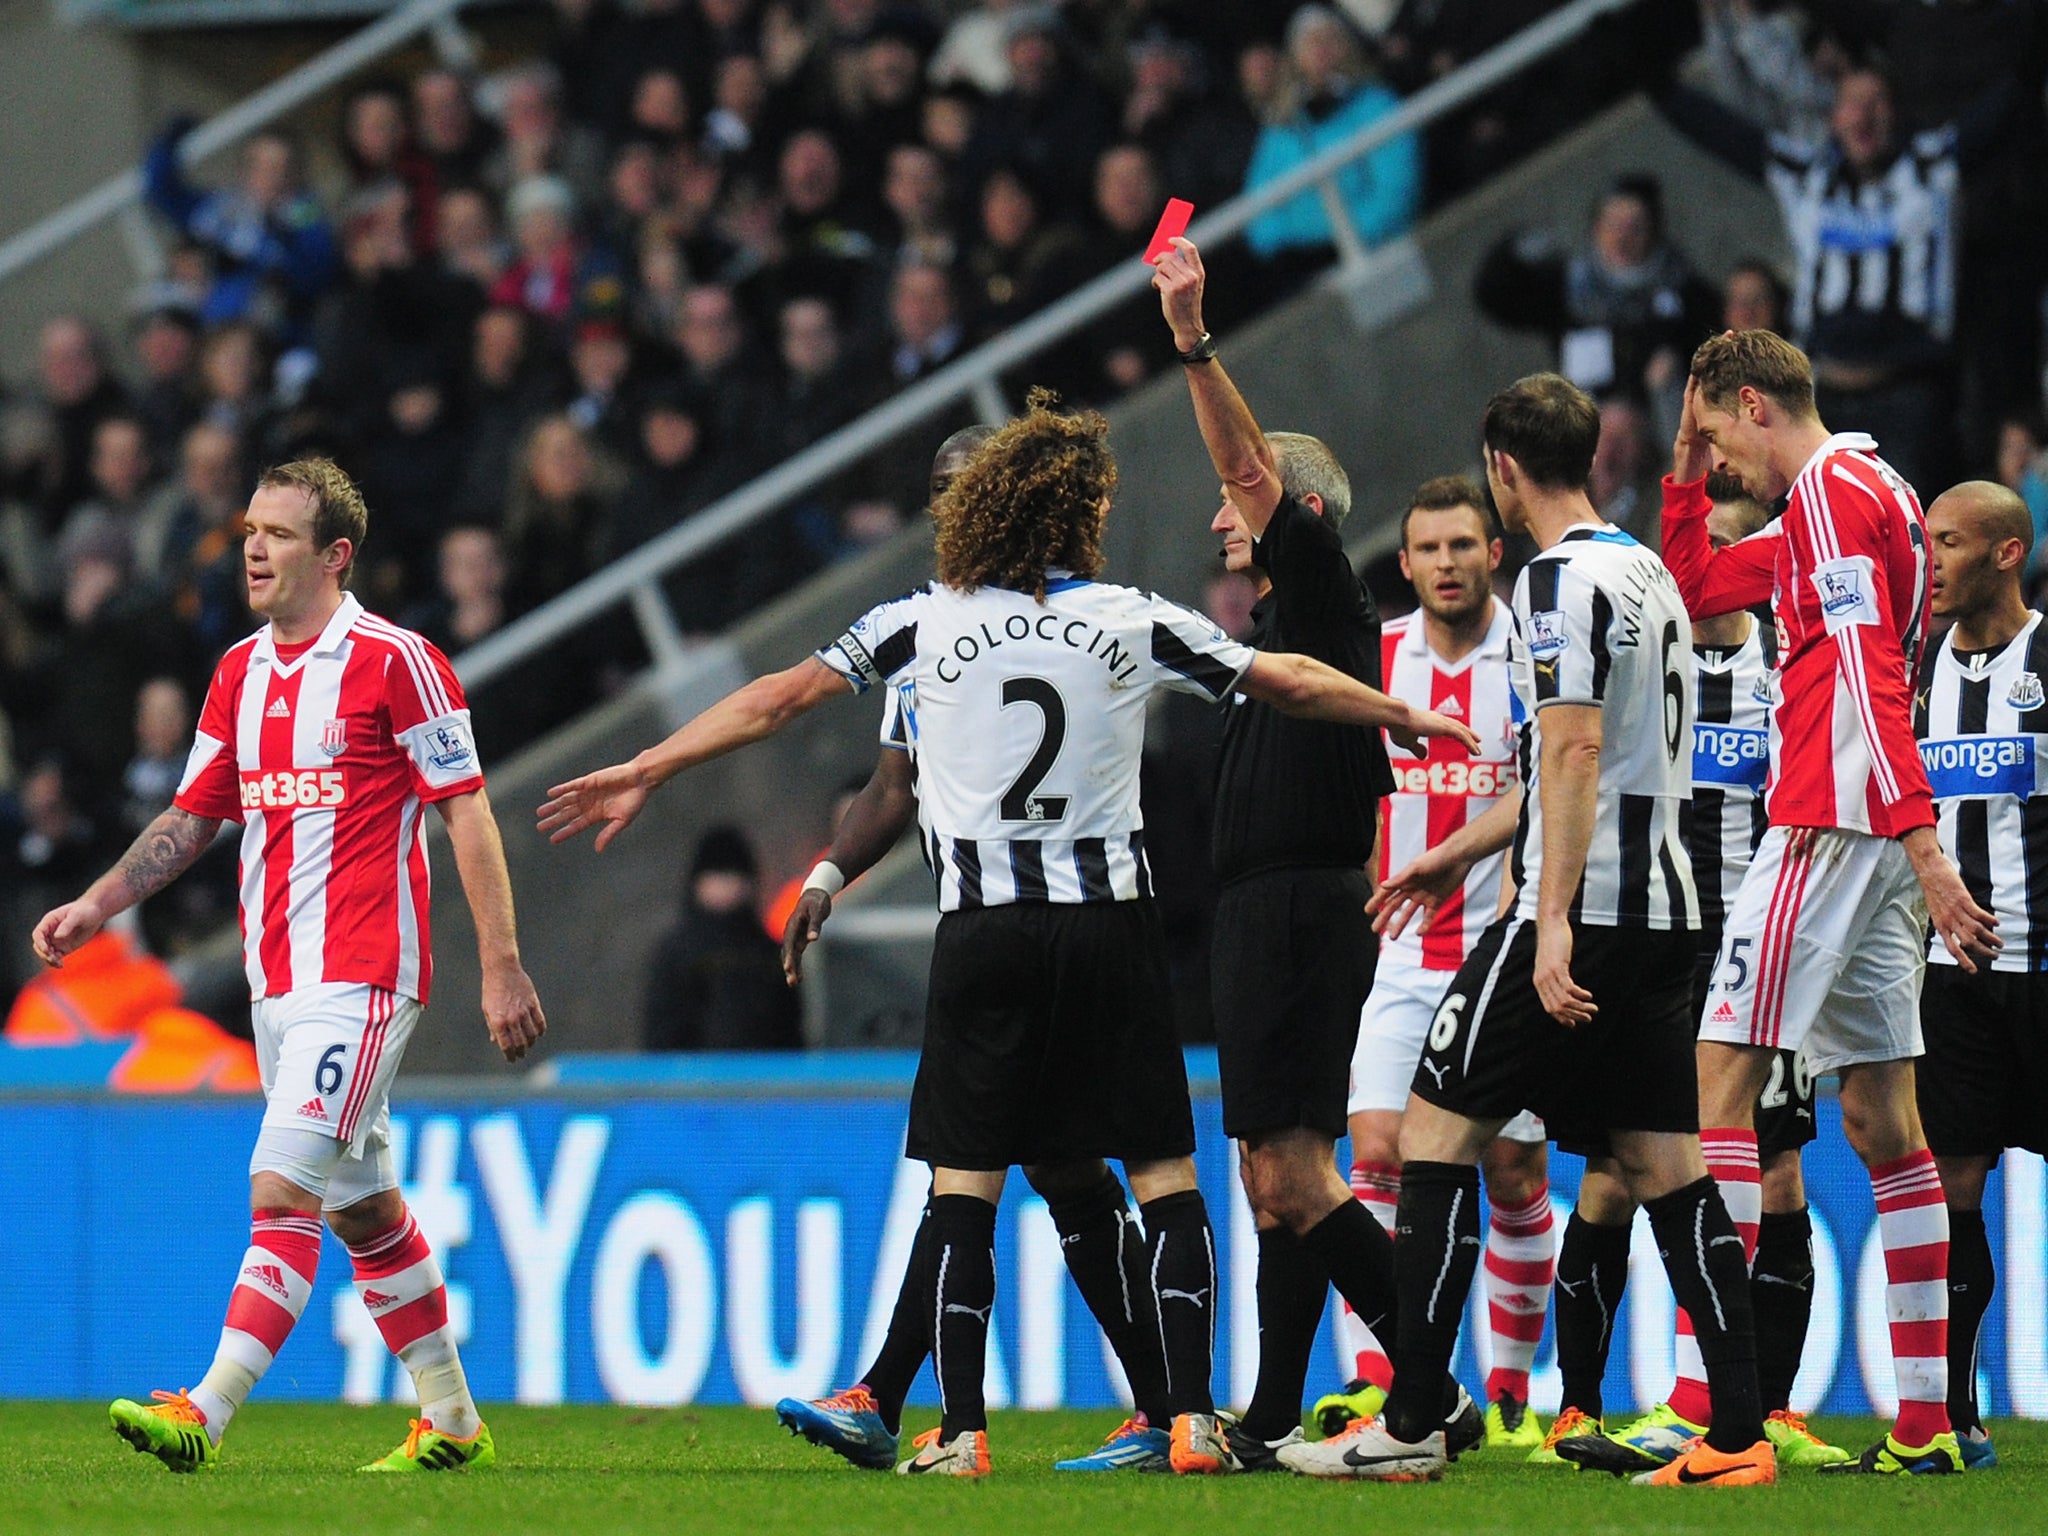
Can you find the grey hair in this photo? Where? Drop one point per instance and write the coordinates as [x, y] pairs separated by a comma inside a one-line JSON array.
[[1308, 468]]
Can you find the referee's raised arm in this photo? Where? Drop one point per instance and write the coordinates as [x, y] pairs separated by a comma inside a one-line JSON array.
[[1239, 450]]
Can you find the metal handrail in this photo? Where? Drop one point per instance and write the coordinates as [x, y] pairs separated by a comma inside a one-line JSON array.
[[635, 577], [57, 230]]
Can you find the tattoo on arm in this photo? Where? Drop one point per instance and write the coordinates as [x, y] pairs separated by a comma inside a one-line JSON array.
[[165, 850]]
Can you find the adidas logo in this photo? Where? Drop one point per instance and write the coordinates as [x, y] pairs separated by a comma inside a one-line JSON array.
[[270, 1276], [1725, 1014], [377, 1301], [1452, 708], [313, 1109], [279, 710]]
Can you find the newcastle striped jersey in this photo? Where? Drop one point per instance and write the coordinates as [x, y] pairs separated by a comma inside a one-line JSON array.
[[1875, 259], [1982, 720], [1026, 721], [1731, 758], [1445, 787], [1598, 621]]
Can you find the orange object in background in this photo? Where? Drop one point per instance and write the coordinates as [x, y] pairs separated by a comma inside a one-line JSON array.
[[111, 990]]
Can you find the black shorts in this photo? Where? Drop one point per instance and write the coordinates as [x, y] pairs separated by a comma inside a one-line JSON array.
[[1492, 1051], [1984, 1080], [1784, 1109], [1290, 964], [1049, 1037]]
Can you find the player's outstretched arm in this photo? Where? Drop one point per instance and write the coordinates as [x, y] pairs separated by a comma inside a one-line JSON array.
[[870, 828], [1419, 887], [165, 850], [1301, 685], [611, 797], [1237, 447], [511, 1006], [1569, 782]]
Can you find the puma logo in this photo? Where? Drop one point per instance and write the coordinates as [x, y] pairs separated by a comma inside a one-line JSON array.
[[980, 1313], [1197, 1297], [1436, 1072], [1719, 1241], [1569, 1287], [1760, 1278]]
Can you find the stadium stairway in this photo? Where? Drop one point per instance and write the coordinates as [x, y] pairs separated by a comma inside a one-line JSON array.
[[1394, 382]]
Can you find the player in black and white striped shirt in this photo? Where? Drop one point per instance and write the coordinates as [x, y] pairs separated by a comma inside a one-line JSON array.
[[1048, 1034], [1982, 719]]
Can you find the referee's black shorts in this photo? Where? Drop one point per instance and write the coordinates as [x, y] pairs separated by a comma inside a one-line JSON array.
[[1291, 961], [1492, 1051], [1983, 1083], [1049, 1037]]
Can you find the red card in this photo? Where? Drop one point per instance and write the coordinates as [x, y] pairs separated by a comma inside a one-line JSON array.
[[1172, 225]]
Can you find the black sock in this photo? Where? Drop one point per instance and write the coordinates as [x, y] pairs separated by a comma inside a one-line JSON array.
[[1781, 1296], [1293, 1288], [1971, 1280], [1592, 1272], [1434, 1262], [1359, 1255], [1105, 1253], [1182, 1278], [909, 1338], [1710, 1279], [962, 1293]]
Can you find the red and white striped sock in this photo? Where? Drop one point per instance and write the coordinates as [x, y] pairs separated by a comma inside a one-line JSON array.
[[271, 1291], [1521, 1263], [1378, 1187], [1912, 1220], [400, 1283], [1732, 1160]]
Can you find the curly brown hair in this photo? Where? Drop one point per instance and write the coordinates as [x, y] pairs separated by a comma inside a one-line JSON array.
[[1032, 500]]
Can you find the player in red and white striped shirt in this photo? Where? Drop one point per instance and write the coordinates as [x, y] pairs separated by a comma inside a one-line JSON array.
[[1823, 945], [1450, 655], [326, 734]]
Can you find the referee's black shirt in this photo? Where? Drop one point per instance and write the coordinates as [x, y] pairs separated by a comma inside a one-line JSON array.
[[1294, 793]]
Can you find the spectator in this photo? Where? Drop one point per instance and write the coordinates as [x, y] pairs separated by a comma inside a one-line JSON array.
[[163, 740], [659, 114], [1755, 60], [536, 141], [411, 469], [1753, 298], [678, 472], [234, 373], [914, 189], [31, 471], [1016, 264], [1624, 313], [734, 127], [470, 246], [272, 251], [1050, 120], [121, 474], [888, 90], [507, 387], [558, 520], [1117, 352], [975, 49], [633, 194], [1623, 488], [447, 130], [1330, 95], [949, 118], [715, 983], [376, 147], [720, 366], [826, 238], [2023, 468], [924, 324], [553, 272], [1200, 140], [79, 392], [1880, 333], [600, 382], [816, 396], [165, 337], [189, 543], [54, 847]]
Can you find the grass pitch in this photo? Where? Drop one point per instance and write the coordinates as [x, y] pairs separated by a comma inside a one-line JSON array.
[[287, 1470]]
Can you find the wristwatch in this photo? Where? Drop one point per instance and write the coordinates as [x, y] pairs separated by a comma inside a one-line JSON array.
[[1203, 351]]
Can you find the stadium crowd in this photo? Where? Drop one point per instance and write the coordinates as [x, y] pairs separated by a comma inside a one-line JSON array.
[[547, 312]]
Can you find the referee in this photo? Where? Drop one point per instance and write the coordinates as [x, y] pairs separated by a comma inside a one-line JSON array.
[[1297, 805]]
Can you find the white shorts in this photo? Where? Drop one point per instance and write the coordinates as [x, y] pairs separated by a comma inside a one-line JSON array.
[[1391, 1033], [1824, 951], [327, 1054]]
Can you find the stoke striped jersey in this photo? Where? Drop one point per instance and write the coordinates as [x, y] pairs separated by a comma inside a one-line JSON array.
[[1982, 719], [1026, 722], [1598, 622], [328, 761], [1447, 786], [1731, 757], [1846, 571]]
